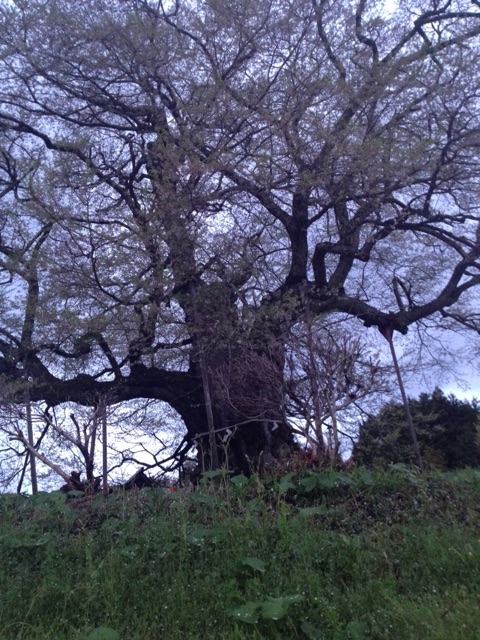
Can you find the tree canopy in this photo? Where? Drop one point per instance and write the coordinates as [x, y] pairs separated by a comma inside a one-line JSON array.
[[184, 183]]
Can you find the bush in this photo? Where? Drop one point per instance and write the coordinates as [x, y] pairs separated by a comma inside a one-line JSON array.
[[447, 429]]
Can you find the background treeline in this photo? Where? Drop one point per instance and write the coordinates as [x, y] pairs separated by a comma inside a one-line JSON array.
[[448, 431]]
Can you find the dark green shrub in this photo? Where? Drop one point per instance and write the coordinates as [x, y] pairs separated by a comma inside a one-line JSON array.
[[447, 430]]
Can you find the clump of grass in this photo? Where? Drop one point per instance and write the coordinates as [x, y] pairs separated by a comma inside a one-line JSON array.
[[320, 556]]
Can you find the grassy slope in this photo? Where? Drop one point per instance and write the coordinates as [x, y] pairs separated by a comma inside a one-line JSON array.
[[323, 556]]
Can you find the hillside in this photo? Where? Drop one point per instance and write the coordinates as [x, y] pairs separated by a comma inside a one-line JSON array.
[[320, 556]]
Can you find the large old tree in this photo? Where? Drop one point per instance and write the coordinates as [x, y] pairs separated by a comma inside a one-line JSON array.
[[182, 183]]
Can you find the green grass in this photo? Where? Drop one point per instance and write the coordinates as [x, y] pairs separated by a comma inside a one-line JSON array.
[[323, 556]]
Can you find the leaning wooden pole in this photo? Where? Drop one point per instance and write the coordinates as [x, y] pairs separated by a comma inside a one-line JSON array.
[[215, 463], [388, 335], [104, 453], [214, 458], [31, 442]]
